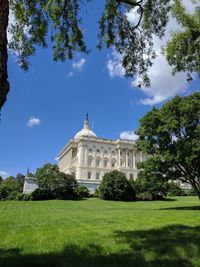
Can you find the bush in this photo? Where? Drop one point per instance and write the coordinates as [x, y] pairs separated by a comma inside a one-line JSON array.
[[175, 190], [192, 192], [65, 186], [9, 188], [149, 186], [115, 186], [144, 196], [96, 192], [82, 192], [23, 197], [42, 194]]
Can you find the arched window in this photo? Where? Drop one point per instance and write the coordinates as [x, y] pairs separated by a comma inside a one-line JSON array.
[[90, 161], [105, 163], [98, 160], [113, 163]]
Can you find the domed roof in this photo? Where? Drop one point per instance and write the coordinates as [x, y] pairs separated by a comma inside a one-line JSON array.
[[86, 130]]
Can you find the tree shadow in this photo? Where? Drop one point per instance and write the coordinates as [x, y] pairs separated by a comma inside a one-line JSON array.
[[182, 208], [168, 199], [174, 245], [170, 246]]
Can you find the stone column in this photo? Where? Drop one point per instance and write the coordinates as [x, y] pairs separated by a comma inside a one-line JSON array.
[[140, 156], [126, 158], [119, 156], [134, 159]]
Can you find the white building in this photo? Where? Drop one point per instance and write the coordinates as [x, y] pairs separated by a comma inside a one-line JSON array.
[[89, 157]]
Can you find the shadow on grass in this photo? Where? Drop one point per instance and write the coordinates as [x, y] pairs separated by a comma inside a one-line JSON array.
[[168, 199], [182, 208], [171, 246]]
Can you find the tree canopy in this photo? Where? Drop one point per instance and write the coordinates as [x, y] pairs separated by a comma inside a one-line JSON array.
[[171, 135], [58, 22], [115, 186]]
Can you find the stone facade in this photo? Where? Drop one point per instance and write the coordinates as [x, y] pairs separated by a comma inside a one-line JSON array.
[[89, 157]]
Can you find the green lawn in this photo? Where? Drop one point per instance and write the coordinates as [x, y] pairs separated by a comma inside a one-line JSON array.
[[100, 233]]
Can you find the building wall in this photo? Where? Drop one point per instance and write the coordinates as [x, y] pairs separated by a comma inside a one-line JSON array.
[[90, 158]]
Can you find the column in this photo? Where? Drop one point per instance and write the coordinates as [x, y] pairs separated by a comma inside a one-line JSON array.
[[119, 161], [134, 160], [126, 158]]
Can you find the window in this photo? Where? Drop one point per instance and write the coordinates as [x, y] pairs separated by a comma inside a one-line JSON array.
[[97, 175], [89, 175], [97, 162], [105, 163], [90, 160], [97, 150], [131, 175], [105, 151], [113, 163], [90, 150]]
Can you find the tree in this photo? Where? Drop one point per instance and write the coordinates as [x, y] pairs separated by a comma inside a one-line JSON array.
[[171, 135], [9, 188], [65, 186], [40, 22], [20, 178], [152, 179], [46, 176], [53, 183], [115, 186]]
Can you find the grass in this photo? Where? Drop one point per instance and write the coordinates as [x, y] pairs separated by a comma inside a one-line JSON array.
[[96, 233]]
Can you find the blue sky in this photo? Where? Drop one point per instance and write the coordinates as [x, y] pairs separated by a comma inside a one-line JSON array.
[[46, 106]]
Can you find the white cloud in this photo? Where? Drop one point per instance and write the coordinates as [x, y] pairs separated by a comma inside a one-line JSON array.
[[132, 16], [70, 74], [78, 65], [56, 158], [33, 121], [163, 84], [4, 174], [11, 20], [114, 65], [130, 135]]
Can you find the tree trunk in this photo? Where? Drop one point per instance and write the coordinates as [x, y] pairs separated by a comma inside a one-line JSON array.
[[4, 84]]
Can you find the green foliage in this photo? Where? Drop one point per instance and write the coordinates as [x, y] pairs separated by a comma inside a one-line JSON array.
[[46, 176], [115, 186], [9, 188], [183, 49], [20, 179], [151, 183], [192, 192], [42, 194], [82, 192], [175, 190], [54, 184], [146, 196], [132, 42], [40, 22], [171, 135], [65, 186], [24, 197]]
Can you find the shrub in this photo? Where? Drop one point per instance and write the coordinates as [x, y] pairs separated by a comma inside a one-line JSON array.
[[42, 194], [192, 192], [144, 196], [24, 197], [150, 186], [175, 190], [82, 192], [96, 192], [115, 186], [9, 189], [65, 186]]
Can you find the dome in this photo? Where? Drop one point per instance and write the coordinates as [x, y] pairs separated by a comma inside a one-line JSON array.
[[86, 130]]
